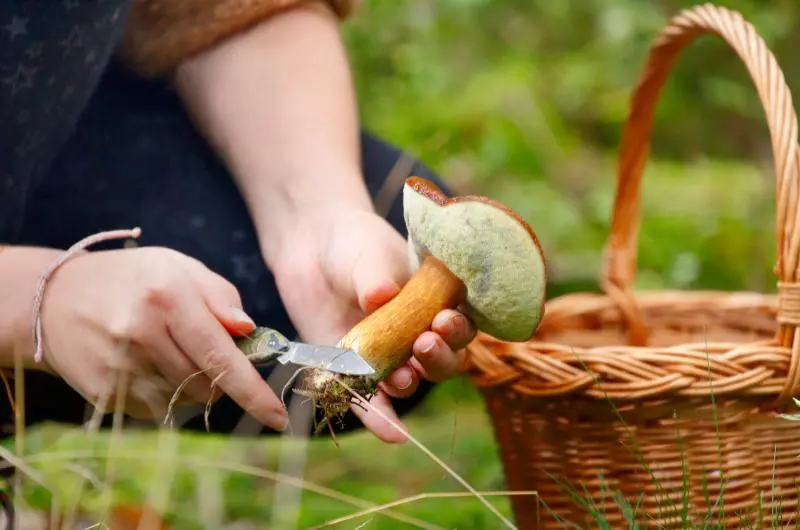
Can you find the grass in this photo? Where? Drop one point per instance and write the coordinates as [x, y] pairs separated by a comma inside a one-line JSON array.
[[233, 480], [213, 493]]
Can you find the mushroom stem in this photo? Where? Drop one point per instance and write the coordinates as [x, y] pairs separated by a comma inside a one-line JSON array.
[[385, 338]]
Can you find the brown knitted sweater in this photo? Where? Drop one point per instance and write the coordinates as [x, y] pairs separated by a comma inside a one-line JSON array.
[[163, 33]]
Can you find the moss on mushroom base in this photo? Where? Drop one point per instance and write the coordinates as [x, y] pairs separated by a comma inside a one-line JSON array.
[[329, 395]]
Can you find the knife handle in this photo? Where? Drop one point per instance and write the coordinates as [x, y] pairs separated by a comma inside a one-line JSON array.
[[263, 346]]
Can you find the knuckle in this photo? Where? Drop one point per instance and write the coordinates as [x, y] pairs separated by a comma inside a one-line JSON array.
[[122, 328], [158, 295], [158, 291], [215, 358]]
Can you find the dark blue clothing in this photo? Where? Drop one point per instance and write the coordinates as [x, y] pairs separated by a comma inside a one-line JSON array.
[[87, 146], [52, 56]]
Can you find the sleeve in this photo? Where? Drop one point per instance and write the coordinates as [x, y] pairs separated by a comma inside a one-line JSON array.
[[161, 34]]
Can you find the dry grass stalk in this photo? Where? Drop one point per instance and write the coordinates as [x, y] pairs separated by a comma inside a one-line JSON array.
[[421, 497], [366, 404]]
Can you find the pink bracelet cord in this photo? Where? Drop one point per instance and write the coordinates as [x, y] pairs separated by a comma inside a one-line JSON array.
[[66, 255]]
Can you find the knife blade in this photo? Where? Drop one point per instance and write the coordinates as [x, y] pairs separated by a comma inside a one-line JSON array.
[[265, 346], [328, 358]]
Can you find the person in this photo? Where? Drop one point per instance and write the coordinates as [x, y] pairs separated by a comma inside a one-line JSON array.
[[229, 133]]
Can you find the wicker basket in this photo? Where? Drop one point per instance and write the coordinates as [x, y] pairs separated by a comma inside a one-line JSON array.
[[695, 377]]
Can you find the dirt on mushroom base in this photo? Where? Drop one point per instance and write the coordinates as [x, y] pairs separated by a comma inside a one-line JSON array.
[[329, 393]]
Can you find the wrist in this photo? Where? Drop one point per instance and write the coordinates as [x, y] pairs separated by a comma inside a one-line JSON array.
[[20, 270], [298, 218]]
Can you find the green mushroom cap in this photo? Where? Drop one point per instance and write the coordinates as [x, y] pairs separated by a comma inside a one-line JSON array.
[[485, 244]]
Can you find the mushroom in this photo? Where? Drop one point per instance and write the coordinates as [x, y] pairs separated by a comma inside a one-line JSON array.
[[470, 253]]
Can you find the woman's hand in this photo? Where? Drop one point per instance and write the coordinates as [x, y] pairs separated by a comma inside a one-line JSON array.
[[345, 267], [157, 316], [277, 104]]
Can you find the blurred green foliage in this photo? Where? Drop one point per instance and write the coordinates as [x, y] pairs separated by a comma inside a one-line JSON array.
[[523, 101], [209, 480]]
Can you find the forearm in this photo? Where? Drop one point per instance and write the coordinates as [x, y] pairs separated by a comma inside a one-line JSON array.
[[20, 268], [277, 103]]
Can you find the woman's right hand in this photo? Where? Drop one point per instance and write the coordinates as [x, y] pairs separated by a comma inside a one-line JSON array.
[[160, 317]]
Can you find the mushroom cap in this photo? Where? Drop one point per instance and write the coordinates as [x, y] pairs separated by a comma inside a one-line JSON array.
[[489, 247]]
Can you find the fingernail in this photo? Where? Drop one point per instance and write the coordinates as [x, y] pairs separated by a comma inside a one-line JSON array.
[[455, 323], [449, 322], [280, 421], [406, 380], [401, 438], [240, 316], [443, 319], [426, 344]]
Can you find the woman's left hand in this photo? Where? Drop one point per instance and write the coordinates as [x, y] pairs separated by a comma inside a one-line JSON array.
[[342, 269]]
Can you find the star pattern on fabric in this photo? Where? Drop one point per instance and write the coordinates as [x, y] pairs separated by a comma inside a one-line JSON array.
[[73, 41], [101, 22], [32, 141], [18, 27], [52, 53], [34, 51], [247, 267], [69, 5], [20, 79]]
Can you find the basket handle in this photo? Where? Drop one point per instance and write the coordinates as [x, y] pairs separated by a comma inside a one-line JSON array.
[[621, 247]]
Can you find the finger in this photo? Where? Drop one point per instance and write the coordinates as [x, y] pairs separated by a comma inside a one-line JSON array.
[[376, 423], [401, 383], [222, 297], [374, 297], [435, 359], [177, 369], [377, 277], [155, 347], [235, 321], [455, 328], [148, 398], [135, 388], [205, 341]]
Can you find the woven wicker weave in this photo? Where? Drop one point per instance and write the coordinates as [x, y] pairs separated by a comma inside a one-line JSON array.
[[695, 377]]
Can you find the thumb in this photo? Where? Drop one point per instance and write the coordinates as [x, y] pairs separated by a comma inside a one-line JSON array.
[[378, 275]]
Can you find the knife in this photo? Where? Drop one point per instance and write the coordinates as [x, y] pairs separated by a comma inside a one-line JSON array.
[[265, 346]]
